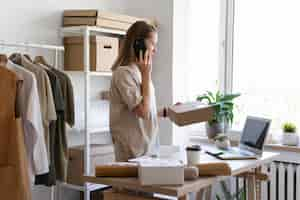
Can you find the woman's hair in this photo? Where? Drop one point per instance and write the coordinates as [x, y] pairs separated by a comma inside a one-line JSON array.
[[139, 29]]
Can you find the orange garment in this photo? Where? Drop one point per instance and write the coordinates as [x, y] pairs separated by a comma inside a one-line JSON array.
[[14, 180]]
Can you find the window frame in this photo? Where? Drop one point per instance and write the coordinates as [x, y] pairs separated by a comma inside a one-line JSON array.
[[227, 45], [226, 33]]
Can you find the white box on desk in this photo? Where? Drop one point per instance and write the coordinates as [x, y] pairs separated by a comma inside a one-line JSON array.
[[156, 174]]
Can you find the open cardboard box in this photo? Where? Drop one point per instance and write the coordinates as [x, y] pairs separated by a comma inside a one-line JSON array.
[[191, 112]]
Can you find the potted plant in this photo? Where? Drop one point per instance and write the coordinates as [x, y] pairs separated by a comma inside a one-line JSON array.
[[223, 115], [222, 141], [289, 136]]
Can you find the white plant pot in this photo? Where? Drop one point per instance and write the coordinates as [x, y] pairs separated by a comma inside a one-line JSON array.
[[225, 144], [290, 139]]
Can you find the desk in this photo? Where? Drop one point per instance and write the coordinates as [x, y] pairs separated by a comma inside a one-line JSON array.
[[237, 167]]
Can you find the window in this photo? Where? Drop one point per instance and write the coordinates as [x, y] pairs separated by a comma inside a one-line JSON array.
[[202, 50], [266, 61]]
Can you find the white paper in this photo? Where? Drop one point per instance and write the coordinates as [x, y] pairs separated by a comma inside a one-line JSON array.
[[160, 162]]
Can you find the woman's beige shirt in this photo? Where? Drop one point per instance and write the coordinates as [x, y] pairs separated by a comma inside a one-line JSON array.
[[132, 136]]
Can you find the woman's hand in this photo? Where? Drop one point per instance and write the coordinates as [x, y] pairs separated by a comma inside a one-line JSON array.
[[145, 63], [164, 112], [145, 66]]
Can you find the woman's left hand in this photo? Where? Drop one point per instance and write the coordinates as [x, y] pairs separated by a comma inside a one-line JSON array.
[[164, 112]]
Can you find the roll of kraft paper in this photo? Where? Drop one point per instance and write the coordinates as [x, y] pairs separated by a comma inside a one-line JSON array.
[[131, 170], [214, 169], [120, 169], [190, 173]]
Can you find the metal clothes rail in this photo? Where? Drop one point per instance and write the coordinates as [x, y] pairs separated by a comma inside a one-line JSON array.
[[55, 48]]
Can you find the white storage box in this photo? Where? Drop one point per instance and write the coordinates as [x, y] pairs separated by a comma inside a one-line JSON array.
[[161, 172]]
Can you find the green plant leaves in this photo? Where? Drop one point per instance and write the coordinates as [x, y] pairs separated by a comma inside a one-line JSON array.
[[211, 95], [229, 97], [223, 105], [289, 127], [204, 97]]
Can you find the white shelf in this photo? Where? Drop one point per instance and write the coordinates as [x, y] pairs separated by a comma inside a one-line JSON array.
[[98, 130], [93, 130], [92, 73], [86, 32], [91, 186], [109, 74], [79, 30]]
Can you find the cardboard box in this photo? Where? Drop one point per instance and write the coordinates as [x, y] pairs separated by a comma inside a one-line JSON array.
[[101, 15], [161, 172], [189, 113], [103, 53], [113, 195], [117, 169], [92, 21], [98, 18], [100, 154], [101, 19]]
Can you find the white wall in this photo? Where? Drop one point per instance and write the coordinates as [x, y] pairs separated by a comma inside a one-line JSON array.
[[162, 66], [179, 69], [39, 22], [22, 22]]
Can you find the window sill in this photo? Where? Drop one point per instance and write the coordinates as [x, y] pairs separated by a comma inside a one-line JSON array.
[[235, 142]]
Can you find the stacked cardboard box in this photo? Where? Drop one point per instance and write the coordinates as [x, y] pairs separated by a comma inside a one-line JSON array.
[[100, 154], [103, 52], [100, 19]]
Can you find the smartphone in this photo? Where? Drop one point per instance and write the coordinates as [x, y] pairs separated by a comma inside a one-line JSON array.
[[139, 45]]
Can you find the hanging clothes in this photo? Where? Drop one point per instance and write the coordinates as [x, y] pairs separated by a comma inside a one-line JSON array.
[[32, 122], [69, 115], [58, 140], [68, 95], [14, 181], [67, 90], [45, 96]]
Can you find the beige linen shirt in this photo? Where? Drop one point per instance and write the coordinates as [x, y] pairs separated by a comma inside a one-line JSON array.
[[132, 136], [47, 106]]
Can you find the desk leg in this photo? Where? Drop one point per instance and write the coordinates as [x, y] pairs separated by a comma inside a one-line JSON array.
[[251, 188], [258, 184], [185, 197], [200, 194], [207, 191]]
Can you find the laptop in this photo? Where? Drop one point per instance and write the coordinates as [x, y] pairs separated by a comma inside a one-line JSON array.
[[251, 143]]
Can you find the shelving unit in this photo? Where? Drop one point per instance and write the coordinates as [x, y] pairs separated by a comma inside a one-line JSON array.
[[93, 73], [86, 32]]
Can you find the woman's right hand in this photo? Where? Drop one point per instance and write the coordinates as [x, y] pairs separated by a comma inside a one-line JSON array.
[[145, 63]]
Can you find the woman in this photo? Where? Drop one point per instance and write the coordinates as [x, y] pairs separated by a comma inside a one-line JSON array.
[[133, 113]]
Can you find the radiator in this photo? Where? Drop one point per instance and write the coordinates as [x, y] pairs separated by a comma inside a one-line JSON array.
[[284, 183]]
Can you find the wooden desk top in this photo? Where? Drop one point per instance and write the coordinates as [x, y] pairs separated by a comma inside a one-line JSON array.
[[237, 167]]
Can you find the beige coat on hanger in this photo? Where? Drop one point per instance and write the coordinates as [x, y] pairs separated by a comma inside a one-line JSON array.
[[14, 181]]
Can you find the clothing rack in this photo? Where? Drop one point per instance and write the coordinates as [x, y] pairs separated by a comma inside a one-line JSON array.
[[54, 48]]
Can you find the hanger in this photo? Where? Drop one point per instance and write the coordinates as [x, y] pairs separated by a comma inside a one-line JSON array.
[[41, 60], [28, 57], [16, 58], [3, 60]]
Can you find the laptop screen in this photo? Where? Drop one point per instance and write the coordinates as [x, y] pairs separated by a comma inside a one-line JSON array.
[[255, 132]]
